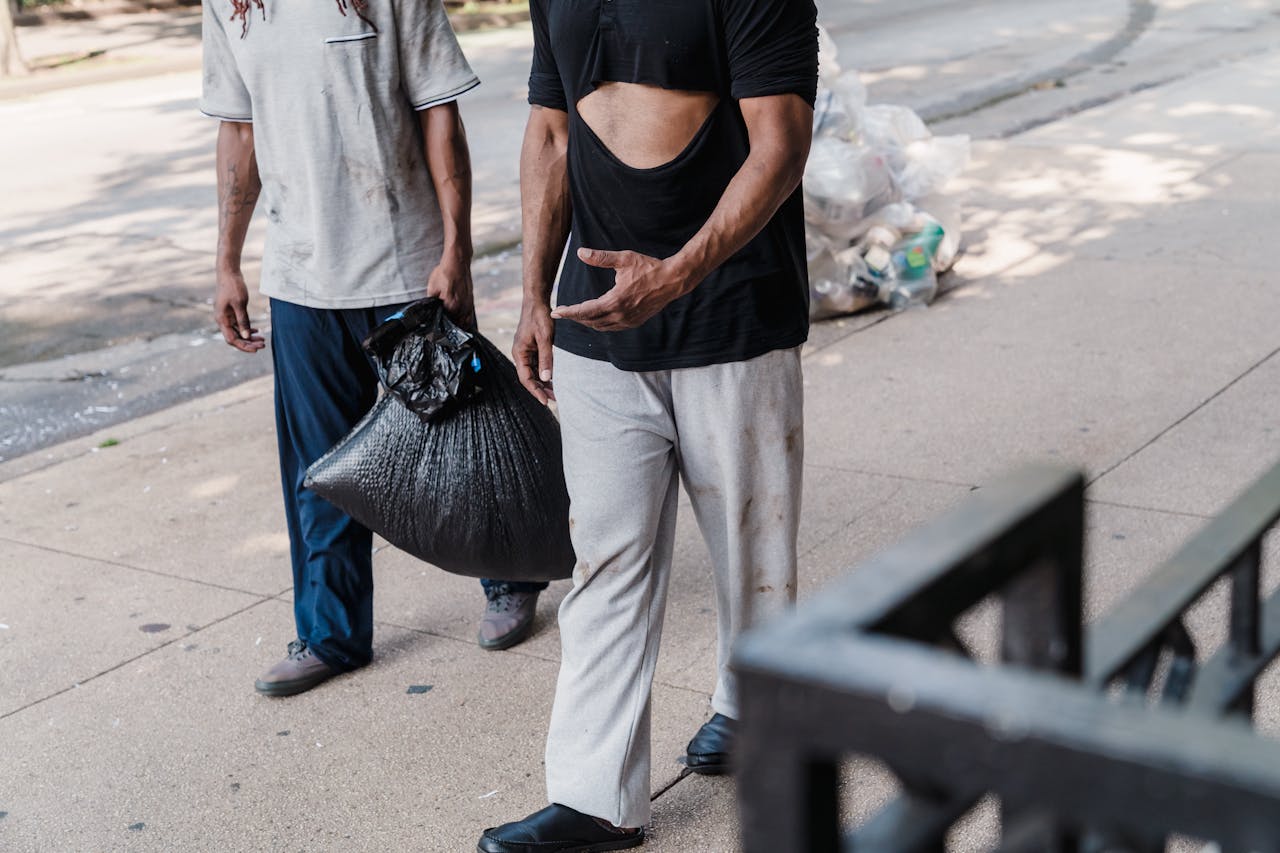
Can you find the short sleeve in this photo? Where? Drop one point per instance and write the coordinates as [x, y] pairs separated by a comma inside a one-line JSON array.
[[545, 86], [772, 48], [224, 94], [433, 69]]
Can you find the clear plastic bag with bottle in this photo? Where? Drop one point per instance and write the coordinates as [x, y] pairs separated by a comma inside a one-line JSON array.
[[873, 172], [843, 183], [840, 283]]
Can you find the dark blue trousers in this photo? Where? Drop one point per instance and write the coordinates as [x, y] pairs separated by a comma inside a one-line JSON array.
[[325, 383]]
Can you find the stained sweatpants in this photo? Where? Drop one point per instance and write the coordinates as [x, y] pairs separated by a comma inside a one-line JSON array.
[[734, 433], [325, 384]]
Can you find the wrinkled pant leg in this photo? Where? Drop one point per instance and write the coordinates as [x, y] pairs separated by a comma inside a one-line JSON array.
[[621, 473], [324, 384], [741, 447]]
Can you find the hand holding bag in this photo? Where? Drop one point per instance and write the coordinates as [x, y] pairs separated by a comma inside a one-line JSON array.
[[457, 463]]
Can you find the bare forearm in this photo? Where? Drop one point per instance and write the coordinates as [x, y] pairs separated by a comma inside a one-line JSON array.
[[772, 172], [449, 162], [545, 202], [238, 188], [780, 128], [750, 201]]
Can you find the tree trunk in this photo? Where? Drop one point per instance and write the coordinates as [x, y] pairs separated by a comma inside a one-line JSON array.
[[11, 64]]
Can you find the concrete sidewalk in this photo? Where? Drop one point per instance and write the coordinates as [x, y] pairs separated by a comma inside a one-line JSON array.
[[1115, 310], [104, 48], [90, 45]]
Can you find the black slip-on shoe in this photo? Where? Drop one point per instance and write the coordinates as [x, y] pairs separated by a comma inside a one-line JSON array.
[[708, 752], [558, 829]]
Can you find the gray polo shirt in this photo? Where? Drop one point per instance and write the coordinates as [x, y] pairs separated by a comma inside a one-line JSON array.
[[352, 216]]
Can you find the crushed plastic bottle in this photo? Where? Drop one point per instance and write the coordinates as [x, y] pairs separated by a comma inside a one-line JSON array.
[[916, 283], [877, 254], [944, 210], [840, 283], [914, 293]]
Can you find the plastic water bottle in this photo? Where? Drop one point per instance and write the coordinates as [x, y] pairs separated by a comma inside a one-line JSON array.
[[840, 284], [914, 293], [916, 282], [877, 255]]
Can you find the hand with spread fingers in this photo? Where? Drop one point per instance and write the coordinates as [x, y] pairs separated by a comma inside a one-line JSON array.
[[643, 286], [231, 311]]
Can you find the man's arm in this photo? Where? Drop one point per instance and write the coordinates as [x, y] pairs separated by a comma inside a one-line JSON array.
[[780, 129], [449, 162], [547, 213], [238, 189]]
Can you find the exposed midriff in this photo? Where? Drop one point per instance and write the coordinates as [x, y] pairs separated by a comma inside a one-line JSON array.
[[645, 126], [656, 134]]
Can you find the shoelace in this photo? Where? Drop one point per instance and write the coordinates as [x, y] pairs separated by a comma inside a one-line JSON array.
[[494, 592], [502, 602], [297, 649]]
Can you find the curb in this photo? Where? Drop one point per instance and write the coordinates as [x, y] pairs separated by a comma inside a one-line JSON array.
[[463, 22], [39, 83], [45, 15]]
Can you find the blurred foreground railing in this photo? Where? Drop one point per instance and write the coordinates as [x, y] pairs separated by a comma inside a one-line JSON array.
[[1110, 739]]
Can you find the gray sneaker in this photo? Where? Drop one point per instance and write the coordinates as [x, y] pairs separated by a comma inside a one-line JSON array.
[[507, 619], [297, 673]]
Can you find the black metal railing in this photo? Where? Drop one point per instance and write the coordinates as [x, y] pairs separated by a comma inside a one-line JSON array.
[[1112, 739]]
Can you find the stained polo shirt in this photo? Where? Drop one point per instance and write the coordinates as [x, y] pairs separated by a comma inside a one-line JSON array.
[[352, 216], [758, 300]]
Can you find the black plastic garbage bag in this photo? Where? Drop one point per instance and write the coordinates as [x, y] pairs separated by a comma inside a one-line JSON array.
[[457, 464], [424, 359]]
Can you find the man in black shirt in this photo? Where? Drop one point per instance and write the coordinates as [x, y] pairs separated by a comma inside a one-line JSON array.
[[665, 147]]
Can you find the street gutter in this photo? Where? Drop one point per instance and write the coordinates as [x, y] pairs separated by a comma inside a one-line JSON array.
[[1141, 15]]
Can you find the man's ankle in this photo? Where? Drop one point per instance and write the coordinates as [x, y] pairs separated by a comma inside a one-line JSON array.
[[621, 830]]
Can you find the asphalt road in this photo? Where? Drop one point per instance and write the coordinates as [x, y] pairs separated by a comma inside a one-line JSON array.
[[107, 228]]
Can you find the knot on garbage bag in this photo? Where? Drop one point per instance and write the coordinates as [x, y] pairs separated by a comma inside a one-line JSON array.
[[425, 359]]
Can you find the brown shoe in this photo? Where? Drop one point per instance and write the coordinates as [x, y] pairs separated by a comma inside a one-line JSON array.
[[507, 619], [297, 673]]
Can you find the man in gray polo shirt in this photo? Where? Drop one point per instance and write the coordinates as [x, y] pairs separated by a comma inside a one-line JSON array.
[[341, 118]]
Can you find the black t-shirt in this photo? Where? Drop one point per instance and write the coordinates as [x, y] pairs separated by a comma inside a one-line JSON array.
[[758, 300]]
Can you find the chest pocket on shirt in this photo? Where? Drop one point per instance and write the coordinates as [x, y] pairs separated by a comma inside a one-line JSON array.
[[351, 39], [355, 73]]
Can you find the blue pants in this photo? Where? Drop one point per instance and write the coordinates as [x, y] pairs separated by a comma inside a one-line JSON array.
[[325, 383]]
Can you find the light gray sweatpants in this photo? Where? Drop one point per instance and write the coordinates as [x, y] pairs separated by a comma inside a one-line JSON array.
[[735, 433]]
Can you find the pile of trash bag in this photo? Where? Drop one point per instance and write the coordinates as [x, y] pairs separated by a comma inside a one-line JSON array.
[[879, 230], [456, 463]]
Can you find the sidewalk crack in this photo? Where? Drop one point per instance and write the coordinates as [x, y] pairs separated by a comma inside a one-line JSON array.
[[102, 560], [77, 685], [1177, 512], [1162, 433], [925, 480], [685, 773]]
